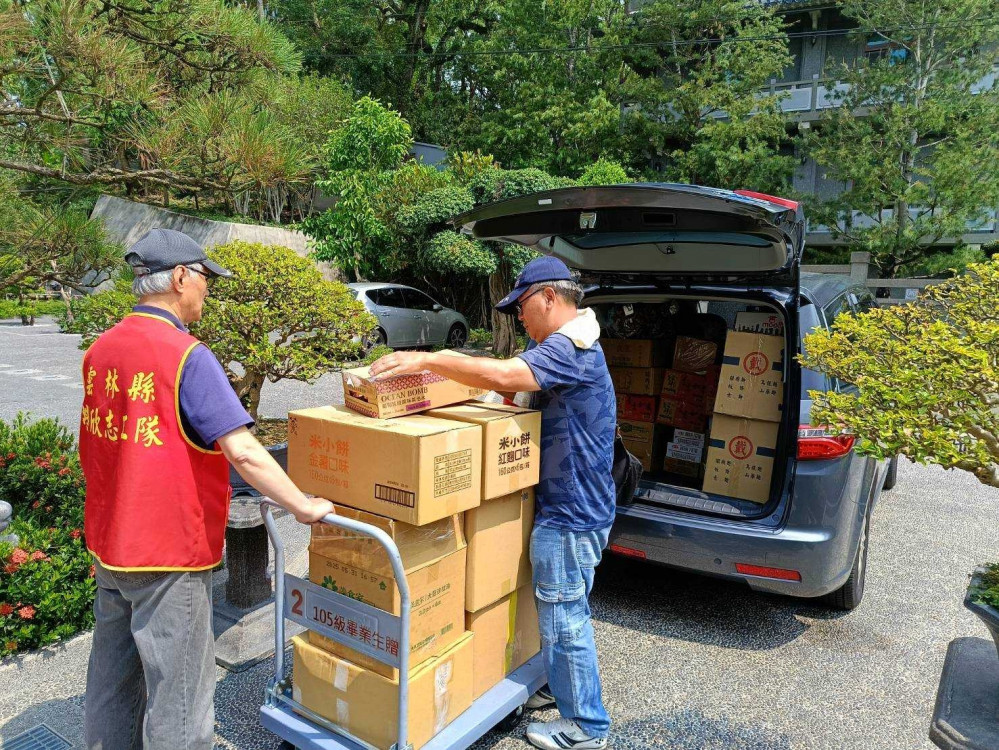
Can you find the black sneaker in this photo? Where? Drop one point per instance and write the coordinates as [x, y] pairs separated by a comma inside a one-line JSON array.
[[541, 699]]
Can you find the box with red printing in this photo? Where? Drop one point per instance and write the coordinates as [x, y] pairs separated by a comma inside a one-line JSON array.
[[637, 408], [685, 414]]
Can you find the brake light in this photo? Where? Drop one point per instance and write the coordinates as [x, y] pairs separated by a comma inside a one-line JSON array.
[[758, 570], [627, 551], [785, 202], [815, 444]]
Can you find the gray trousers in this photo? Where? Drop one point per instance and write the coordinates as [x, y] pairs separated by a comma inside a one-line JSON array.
[[151, 680]]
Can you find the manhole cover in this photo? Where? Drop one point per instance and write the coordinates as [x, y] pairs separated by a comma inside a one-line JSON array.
[[37, 738]]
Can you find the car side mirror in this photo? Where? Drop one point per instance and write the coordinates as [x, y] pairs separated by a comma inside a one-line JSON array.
[[438, 307]]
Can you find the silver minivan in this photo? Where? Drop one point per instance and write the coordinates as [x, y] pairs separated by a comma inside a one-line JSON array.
[[692, 258]]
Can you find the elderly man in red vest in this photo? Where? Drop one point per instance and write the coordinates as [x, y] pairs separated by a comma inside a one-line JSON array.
[[160, 426]]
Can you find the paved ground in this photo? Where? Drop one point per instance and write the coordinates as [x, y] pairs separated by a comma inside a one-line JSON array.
[[687, 662]]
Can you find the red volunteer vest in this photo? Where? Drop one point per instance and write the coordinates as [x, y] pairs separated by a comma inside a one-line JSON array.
[[155, 500]]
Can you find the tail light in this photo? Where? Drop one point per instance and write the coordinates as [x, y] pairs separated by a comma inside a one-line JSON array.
[[815, 444]]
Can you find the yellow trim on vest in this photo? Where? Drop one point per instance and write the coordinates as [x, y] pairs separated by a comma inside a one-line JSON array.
[[176, 404], [152, 570], [152, 317]]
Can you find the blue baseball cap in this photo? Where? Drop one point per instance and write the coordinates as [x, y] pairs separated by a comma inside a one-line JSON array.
[[545, 268]]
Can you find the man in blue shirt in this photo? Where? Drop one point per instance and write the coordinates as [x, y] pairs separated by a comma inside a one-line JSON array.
[[565, 370]]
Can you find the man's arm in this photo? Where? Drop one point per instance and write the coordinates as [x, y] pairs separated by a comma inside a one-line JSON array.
[[262, 472], [501, 375]]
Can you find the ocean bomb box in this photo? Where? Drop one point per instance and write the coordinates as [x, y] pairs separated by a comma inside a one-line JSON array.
[[405, 394]]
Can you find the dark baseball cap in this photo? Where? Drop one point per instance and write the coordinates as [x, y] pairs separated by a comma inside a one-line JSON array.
[[164, 249], [536, 271]]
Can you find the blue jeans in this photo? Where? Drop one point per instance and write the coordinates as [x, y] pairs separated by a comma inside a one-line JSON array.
[[563, 563]]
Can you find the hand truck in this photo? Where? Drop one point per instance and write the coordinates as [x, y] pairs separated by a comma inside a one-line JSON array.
[[317, 608]]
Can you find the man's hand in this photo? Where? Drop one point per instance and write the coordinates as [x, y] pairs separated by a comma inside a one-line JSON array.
[[315, 509], [399, 363]]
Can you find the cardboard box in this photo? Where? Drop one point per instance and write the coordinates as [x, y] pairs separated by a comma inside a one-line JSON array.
[[506, 636], [643, 440], [684, 452], [770, 324], [741, 458], [693, 355], [711, 377], [637, 408], [499, 548], [367, 704], [511, 444], [687, 414], [434, 557], [641, 381], [684, 385], [635, 352], [405, 394], [414, 469], [751, 383]]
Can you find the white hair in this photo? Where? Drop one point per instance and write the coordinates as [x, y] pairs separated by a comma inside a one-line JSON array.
[[157, 283], [570, 291]]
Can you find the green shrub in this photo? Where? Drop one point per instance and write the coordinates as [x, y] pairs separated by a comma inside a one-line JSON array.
[[10, 308], [376, 353], [95, 313], [480, 338], [47, 587], [987, 591]]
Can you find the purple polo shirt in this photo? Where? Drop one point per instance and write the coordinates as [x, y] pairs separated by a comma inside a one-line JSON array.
[[209, 407]]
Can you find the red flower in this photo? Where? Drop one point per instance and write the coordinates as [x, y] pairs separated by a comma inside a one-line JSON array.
[[64, 472], [92, 572], [26, 613], [76, 533], [5, 610], [18, 556], [39, 555], [11, 568], [36, 505], [10, 645], [2, 462], [43, 463], [11, 456]]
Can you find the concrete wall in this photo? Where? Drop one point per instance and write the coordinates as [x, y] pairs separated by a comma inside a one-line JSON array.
[[126, 221]]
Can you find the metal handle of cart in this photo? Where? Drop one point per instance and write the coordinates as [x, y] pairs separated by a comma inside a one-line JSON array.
[[356, 624]]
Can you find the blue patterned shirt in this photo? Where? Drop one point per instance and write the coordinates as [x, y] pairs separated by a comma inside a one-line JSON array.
[[578, 416]]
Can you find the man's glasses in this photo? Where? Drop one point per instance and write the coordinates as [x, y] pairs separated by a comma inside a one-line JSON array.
[[208, 276], [519, 304]]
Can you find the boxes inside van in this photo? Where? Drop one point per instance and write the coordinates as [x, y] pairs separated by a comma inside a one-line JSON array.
[[724, 363]]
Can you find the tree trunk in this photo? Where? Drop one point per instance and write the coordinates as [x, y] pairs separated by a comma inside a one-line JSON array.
[[249, 390], [504, 332]]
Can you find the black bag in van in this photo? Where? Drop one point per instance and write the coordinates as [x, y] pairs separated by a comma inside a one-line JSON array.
[[627, 470]]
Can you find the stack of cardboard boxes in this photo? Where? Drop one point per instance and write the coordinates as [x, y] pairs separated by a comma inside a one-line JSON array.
[[672, 394], [748, 409], [453, 486]]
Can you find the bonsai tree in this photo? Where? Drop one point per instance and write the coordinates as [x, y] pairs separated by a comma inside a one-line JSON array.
[[276, 318], [927, 375]]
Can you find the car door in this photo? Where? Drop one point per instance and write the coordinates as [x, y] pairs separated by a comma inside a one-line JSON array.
[[434, 321], [393, 316]]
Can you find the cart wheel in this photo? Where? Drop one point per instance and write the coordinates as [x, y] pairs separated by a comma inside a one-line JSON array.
[[512, 720]]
